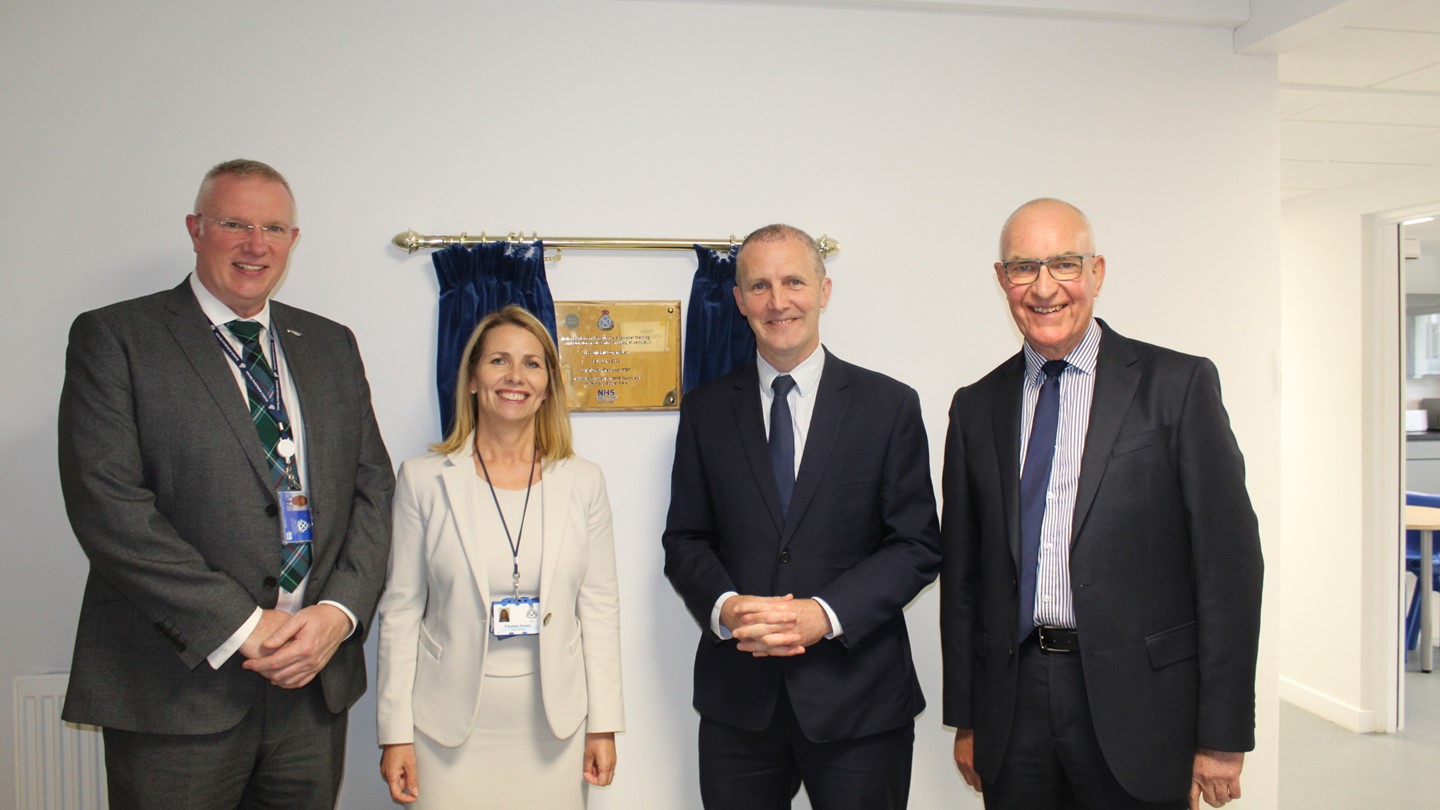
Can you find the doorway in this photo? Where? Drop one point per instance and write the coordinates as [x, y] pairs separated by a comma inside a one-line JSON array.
[[1417, 241]]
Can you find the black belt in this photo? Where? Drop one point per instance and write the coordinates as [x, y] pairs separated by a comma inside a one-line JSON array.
[[1056, 639]]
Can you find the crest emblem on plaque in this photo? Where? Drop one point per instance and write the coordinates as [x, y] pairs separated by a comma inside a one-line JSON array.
[[606, 323]]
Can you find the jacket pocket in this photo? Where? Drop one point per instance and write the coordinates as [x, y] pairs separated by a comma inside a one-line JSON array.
[[430, 644], [1139, 441], [1174, 645]]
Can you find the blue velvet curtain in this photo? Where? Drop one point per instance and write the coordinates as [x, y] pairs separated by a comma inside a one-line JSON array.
[[717, 336], [474, 282]]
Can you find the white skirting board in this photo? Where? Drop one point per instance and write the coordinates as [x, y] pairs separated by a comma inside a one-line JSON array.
[[58, 765]]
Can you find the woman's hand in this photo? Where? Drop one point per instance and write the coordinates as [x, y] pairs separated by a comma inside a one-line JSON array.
[[599, 758], [397, 765]]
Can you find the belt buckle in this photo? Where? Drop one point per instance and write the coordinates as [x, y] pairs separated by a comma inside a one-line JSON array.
[[1054, 645]]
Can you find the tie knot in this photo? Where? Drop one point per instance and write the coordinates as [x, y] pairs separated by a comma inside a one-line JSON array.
[[1053, 368], [247, 331], [781, 385]]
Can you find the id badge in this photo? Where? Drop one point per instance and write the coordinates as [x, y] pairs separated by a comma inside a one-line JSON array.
[[295, 512], [515, 617]]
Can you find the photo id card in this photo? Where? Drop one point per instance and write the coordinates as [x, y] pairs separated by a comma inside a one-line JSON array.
[[515, 617], [295, 511]]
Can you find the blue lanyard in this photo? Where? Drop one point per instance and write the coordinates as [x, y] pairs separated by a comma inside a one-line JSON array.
[[273, 401], [514, 541]]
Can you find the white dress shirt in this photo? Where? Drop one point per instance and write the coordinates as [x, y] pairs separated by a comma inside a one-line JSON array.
[[802, 407]]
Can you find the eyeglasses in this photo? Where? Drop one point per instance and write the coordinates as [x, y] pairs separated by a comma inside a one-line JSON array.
[[1067, 267], [274, 234]]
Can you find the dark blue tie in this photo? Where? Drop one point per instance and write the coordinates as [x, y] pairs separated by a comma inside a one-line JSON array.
[[782, 440], [1034, 484]]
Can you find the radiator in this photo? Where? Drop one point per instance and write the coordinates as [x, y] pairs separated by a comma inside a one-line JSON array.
[[58, 765]]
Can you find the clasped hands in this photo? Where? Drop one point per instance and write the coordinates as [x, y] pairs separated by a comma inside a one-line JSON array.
[[774, 625], [289, 651]]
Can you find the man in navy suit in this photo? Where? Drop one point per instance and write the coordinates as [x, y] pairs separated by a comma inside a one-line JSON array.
[[802, 521], [232, 577], [1100, 600]]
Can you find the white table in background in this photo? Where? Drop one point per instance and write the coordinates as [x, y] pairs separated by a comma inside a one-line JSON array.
[[1426, 520]]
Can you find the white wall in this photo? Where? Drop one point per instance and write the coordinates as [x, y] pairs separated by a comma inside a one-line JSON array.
[[908, 136]]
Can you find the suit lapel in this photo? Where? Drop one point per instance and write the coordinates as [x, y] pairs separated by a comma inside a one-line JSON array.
[[830, 405], [461, 492], [750, 427], [558, 482], [1116, 381], [1006, 406], [191, 330]]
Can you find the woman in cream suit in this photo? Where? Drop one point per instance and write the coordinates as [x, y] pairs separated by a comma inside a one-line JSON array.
[[487, 698]]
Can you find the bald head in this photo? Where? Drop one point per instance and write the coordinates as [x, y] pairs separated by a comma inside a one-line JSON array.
[[1052, 213]]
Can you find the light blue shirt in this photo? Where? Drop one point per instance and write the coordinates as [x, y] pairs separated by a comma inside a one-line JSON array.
[[1054, 605]]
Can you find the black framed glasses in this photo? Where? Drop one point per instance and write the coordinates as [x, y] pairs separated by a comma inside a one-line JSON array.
[[233, 227], [1065, 267]]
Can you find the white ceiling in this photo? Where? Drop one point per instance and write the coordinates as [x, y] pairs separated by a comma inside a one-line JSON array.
[[1361, 101]]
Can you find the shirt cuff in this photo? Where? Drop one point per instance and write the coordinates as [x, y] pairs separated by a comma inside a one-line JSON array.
[[835, 629], [715, 626], [354, 623], [222, 653]]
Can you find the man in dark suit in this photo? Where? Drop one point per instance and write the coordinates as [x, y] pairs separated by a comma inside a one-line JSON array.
[[1100, 600], [223, 471], [797, 554]]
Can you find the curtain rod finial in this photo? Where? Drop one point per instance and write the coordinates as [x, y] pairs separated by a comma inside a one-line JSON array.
[[408, 241]]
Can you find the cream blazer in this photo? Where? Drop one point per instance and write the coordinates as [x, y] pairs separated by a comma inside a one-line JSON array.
[[434, 613]]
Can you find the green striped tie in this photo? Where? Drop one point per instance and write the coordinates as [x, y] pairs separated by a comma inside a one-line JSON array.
[[259, 388]]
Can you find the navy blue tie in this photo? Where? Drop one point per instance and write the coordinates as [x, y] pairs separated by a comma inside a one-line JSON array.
[[1034, 484], [782, 440]]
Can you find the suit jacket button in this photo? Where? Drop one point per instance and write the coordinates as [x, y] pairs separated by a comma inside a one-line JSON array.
[[270, 582], [271, 510], [1009, 650], [546, 620], [784, 556]]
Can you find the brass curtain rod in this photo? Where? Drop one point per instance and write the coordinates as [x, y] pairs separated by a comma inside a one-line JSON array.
[[410, 241]]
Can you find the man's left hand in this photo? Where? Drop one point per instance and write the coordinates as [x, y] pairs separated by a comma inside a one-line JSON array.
[[810, 625], [1216, 777], [295, 654]]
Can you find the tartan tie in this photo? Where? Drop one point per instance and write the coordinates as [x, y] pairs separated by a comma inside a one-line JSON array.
[[259, 389]]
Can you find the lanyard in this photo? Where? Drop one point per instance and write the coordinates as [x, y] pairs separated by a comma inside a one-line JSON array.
[[514, 541], [272, 401]]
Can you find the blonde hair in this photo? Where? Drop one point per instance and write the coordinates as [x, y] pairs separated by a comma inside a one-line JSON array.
[[552, 421]]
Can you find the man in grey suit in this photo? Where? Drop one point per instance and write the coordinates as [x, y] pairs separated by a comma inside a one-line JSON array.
[[223, 471], [1100, 598]]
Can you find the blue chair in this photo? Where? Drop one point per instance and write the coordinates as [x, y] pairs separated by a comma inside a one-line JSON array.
[[1412, 564]]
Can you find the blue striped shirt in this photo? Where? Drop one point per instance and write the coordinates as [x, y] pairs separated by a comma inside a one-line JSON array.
[[1053, 603]]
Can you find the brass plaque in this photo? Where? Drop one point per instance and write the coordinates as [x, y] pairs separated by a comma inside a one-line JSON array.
[[620, 355]]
